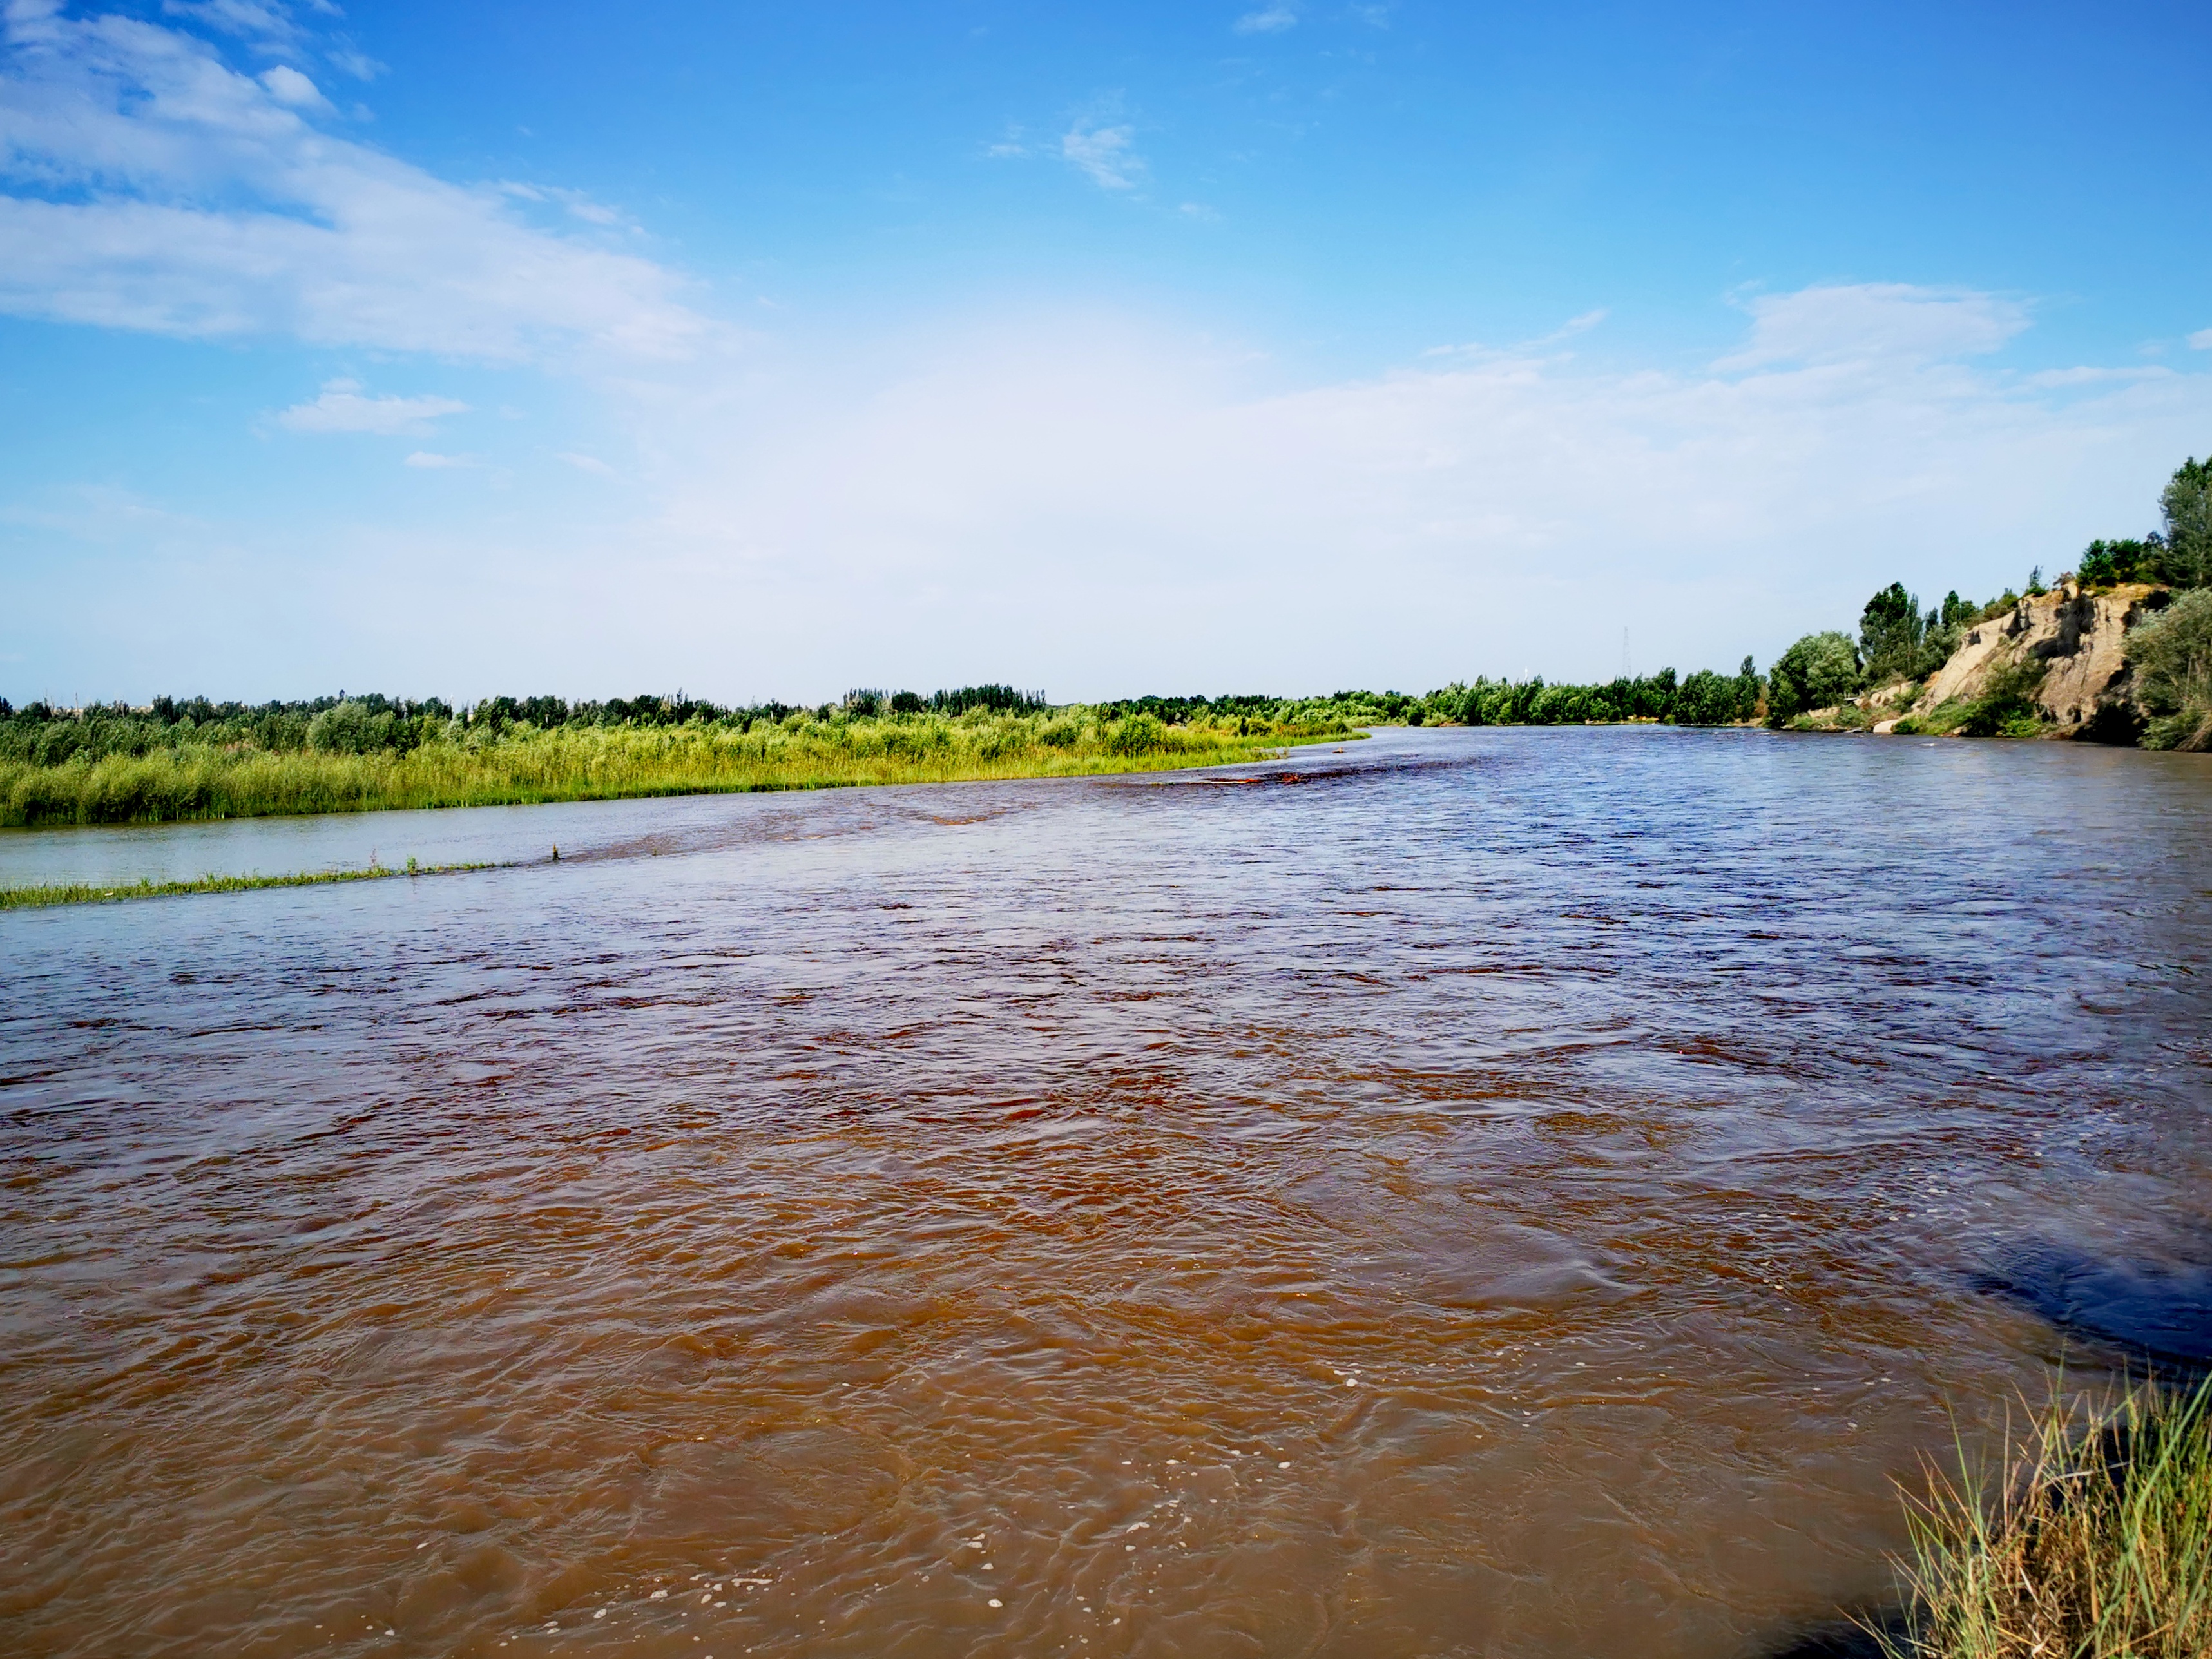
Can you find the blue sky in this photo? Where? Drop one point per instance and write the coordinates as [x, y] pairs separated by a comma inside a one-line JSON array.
[[770, 351]]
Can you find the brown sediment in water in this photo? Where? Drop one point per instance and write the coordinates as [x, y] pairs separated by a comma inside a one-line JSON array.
[[1520, 1200]]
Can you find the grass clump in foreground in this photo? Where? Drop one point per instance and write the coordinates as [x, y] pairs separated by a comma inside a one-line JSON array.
[[2100, 1547], [37, 898]]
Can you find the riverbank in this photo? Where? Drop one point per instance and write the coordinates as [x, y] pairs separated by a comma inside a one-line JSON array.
[[524, 766]]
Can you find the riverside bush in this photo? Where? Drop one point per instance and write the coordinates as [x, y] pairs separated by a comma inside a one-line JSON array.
[[1819, 671]]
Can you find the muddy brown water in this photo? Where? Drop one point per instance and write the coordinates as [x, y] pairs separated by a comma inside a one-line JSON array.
[[1480, 1193]]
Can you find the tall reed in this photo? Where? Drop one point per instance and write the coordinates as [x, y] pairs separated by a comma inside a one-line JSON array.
[[2091, 1544]]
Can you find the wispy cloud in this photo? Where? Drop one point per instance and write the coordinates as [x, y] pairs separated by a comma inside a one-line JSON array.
[[1857, 322], [591, 463], [1106, 155], [1476, 350], [578, 204], [251, 18], [160, 189], [1268, 19], [342, 407], [345, 56], [2201, 339], [431, 460]]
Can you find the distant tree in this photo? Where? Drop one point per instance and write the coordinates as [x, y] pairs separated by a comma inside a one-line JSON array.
[[1819, 671], [2187, 502], [1891, 628], [1746, 689], [1705, 699], [2129, 560], [998, 699], [349, 729]]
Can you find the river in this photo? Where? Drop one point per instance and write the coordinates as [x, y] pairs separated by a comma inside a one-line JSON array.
[[1500, 1192]]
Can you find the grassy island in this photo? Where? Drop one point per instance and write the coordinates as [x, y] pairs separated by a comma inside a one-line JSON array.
[[175, 762], [80, 892]]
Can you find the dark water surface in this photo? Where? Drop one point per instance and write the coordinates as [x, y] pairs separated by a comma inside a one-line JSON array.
[[1517, 1193]]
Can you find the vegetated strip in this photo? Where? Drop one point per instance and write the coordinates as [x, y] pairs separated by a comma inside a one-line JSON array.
[[353, 762], [78, 892]]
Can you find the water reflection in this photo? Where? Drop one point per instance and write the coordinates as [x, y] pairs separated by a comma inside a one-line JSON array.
[[1509, 1192], [2155, 1316]]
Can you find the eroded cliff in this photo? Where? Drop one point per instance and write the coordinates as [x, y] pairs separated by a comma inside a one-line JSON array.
[[2076, 638]]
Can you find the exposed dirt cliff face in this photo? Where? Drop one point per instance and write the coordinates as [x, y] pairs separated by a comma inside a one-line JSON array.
[[2077, 637]]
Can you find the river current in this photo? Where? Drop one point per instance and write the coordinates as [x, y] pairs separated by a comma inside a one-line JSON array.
[[1499, 1193]]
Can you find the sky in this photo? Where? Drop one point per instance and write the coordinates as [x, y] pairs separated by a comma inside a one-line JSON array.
[[1267, 346]]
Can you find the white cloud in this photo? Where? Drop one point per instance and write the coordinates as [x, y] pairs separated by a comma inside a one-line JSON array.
[[142, 129], [1106, 155], [1857, 322], [586, 464], [342, 408], [431, 460], [1103, 506], [2201, 339], [288, 86], [1268, 19], [1502, 513]]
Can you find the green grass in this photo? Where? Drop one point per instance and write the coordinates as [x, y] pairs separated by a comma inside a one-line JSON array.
[[2088, 1543], [592, 762], [34, 898]]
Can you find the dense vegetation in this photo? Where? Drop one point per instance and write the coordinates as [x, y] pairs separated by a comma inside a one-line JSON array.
[[195, 760], [1899, 646], [174, 759]]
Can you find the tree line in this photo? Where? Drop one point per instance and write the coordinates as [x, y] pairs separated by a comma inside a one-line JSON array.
[[1898, 641], [367, 723]]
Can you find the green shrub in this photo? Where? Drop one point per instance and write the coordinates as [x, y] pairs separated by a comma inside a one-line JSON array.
[[2005, 706], [2172, 658], [1139, 734]]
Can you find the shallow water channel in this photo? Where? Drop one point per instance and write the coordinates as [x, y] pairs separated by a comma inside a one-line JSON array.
[[1476, 1192]]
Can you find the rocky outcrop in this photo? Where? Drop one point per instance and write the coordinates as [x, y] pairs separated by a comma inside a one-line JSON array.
[[2077, 636]]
